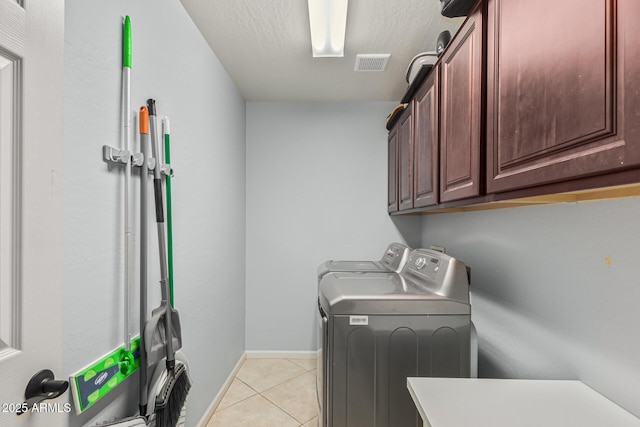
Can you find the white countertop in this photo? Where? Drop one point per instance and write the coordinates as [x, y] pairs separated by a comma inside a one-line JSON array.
[[464, 402]]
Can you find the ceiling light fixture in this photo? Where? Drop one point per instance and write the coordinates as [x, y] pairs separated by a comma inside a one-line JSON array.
[[328, 21]]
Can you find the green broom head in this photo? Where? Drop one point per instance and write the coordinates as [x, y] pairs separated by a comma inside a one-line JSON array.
[[172, 397]]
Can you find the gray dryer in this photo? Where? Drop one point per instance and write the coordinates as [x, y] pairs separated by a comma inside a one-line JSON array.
[[377, 330]]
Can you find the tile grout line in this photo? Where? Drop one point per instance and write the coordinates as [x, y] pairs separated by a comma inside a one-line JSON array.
[[274, 386], [289, 379], [285, 381], [260, 393], [285, 411], [306, 371], [256, 391], [268, 401], [280, 409], [239, 401]]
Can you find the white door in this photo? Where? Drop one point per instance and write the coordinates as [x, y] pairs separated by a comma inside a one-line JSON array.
[[31, 84]]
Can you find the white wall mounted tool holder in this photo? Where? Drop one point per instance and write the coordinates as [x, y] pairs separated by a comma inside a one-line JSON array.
[[116, 155]]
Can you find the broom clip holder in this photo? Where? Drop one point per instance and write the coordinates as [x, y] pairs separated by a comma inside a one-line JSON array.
[[115, 155], [165, 169]]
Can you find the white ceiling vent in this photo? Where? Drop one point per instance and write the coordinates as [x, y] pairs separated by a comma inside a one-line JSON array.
[[371, 62]]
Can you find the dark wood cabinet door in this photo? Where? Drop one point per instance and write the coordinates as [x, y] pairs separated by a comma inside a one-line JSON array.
[[426, 142], [392, 171], [461, 101], [405, 159], [555, 90]]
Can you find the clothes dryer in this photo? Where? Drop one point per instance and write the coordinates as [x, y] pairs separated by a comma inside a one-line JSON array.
[[378, 329]]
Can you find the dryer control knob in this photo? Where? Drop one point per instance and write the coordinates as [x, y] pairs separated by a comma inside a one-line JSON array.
[[420, 263]]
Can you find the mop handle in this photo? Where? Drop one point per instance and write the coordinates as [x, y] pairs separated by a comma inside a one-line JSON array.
[[126, 43], [128, 255]]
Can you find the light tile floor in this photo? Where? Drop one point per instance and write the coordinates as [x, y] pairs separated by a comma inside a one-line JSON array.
[[270, 393]]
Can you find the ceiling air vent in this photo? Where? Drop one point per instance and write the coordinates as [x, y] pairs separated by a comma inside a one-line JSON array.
[[371, 62]]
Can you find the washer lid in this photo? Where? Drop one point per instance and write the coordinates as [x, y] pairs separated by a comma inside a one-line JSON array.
[[393, 260], [389, 293], [332, 266]]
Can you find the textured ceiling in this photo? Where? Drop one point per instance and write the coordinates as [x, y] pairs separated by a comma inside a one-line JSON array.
[[265, 46]]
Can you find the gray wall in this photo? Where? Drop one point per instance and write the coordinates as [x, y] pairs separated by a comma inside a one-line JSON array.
[[554, 290], [172, 63], [316, 189]]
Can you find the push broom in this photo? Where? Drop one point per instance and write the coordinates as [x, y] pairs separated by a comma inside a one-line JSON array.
[[175, 387]]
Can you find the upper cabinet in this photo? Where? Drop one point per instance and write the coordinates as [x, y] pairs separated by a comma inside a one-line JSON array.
[[532, 98], [392, 171], [405, 159], [413, 151], [461, 89], [556, 89], [426, 142]]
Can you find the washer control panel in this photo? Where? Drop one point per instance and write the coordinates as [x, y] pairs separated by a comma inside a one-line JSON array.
[[425, 265], [391, 253], [438, 273], [395, 256]]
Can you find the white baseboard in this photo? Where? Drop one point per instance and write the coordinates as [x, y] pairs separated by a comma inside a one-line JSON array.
[[257, 354], [216, 400]]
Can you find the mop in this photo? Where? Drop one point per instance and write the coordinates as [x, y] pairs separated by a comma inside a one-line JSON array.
[[96, 380], [127, 364]]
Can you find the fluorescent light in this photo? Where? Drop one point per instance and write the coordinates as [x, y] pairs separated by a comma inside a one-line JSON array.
[[328, 21]]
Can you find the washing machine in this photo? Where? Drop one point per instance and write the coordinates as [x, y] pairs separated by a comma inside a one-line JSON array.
[[393, 260], [378, 329]]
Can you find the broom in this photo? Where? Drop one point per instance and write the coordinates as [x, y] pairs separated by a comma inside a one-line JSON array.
[[176, 385]]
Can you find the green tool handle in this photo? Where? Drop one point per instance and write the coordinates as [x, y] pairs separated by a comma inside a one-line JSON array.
[[126, 43], [167, 159]]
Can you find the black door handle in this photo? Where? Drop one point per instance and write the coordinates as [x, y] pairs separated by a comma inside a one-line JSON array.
[[42, 386]]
